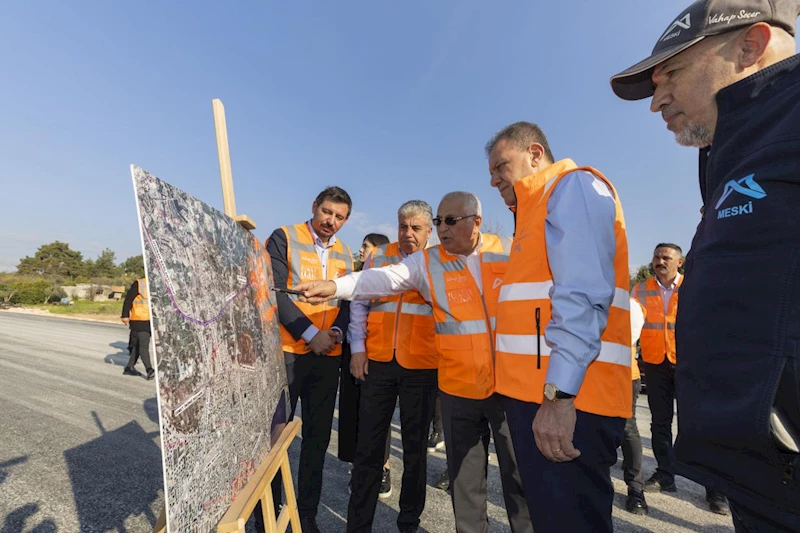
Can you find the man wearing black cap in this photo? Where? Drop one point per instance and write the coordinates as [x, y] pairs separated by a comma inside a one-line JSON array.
[[725, 78]]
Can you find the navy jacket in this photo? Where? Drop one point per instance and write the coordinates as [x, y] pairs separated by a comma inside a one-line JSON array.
[[738, 325]]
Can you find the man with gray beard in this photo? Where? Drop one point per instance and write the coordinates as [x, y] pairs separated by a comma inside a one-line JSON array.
[[725, 78]]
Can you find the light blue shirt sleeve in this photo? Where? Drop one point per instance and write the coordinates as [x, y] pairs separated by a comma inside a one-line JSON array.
[[579, 235]]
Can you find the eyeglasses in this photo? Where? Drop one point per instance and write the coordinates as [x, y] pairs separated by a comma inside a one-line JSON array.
[[450, 221]]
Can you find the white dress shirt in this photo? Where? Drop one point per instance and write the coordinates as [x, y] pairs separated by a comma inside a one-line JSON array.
[[322, 253], [410, 273], [666, 292]]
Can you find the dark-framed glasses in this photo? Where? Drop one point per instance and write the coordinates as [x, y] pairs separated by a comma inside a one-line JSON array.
[[450, 221]]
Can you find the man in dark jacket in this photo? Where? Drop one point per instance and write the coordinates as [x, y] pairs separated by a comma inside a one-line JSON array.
[[312, 335], [725, 79]]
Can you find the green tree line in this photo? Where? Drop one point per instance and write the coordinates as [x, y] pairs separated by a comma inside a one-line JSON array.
[[39, 278]]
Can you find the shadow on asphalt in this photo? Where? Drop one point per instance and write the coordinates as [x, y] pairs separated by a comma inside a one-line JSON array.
[[116, 475], [120, 357], [16, 520]]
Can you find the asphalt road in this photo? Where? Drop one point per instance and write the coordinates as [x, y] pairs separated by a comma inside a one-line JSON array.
[[78, 440], [79, 447]]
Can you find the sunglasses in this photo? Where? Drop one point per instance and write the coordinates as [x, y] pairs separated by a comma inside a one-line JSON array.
[[450, 221]]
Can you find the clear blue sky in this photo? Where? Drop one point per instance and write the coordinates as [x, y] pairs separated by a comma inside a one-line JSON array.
[[390, 100]]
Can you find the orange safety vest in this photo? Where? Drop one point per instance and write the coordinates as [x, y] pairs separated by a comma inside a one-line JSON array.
[[635, 373], [524, 308], [658, 334], [465, 318], [304, 265], [400, 326], [140, 310]]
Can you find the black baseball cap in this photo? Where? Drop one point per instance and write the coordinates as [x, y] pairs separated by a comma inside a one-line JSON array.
[[698, 21]]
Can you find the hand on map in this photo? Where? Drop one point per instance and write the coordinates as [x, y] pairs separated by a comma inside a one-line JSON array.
[[316, 292], [359, 365], [553, 428], [324, 341]]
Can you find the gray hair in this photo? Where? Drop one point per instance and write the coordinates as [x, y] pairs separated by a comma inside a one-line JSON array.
[[470, 201], [414, 208], [521, 135]]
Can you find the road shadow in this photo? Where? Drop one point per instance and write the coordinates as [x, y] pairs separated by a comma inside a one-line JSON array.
[[4, 466], [15, 521], [116, 476], [120, 357]]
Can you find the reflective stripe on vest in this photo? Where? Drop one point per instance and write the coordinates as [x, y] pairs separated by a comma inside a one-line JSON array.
[[658, 334], [400, 326], [465, 318], [305, 265], [524, 308], [140, 309]]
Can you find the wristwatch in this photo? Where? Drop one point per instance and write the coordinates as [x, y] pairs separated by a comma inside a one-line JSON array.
[[552, 393]]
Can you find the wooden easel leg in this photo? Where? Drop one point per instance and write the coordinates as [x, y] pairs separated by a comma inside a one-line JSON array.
[[268, 508], [161, 523], [288, 487]]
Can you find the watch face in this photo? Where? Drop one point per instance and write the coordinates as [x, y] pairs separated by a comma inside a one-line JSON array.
[[550, 391]]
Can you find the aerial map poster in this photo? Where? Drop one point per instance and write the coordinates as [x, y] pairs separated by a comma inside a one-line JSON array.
[[221, 376]]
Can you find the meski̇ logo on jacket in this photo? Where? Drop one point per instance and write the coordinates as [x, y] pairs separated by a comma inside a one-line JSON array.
[[746, 186]]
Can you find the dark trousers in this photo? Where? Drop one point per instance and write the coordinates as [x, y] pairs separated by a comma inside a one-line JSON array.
[[632, 447], [437, 413], [313, 379], [574, 496], [661, 397], [349, 402], [139, 346], [384, 384], [745, 520], [468, 425]]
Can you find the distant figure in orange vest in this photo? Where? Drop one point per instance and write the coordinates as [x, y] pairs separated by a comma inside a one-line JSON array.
[[563, 330], [136, 315], [312, 335], [460, 279], [659, 296]]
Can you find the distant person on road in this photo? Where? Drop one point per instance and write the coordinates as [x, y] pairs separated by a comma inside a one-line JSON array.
[[136, 315], [632, 441]]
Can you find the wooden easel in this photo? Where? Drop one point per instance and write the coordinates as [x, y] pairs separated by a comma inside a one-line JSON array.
[[259, 488]]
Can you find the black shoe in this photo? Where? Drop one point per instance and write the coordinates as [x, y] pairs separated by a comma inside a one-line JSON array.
[[717, 503], [131, 371], [309, 524], [444, 482], [386, 484], [636, 503], [435, 442], [413, 529], [151, 374], [660, 482]]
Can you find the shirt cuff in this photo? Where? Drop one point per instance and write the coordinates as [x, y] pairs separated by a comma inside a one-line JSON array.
[[358, 347], [566, 376], [310, 333]]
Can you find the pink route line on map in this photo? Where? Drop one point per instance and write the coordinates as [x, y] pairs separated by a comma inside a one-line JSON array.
[[161, 269]]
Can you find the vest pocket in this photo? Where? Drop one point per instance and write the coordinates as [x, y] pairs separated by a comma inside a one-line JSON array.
[[375, 333], [422, 335], [456, 363]]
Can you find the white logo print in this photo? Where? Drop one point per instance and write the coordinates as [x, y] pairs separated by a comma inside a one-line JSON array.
[[683, 23], [497, 283]]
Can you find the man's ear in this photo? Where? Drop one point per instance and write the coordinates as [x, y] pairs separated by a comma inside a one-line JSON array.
[[753, 44], [478, 221], [536, 152], [313, 207]]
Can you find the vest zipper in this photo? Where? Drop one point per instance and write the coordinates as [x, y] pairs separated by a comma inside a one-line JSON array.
[[538, 316], [397, 325], [488, 327]]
